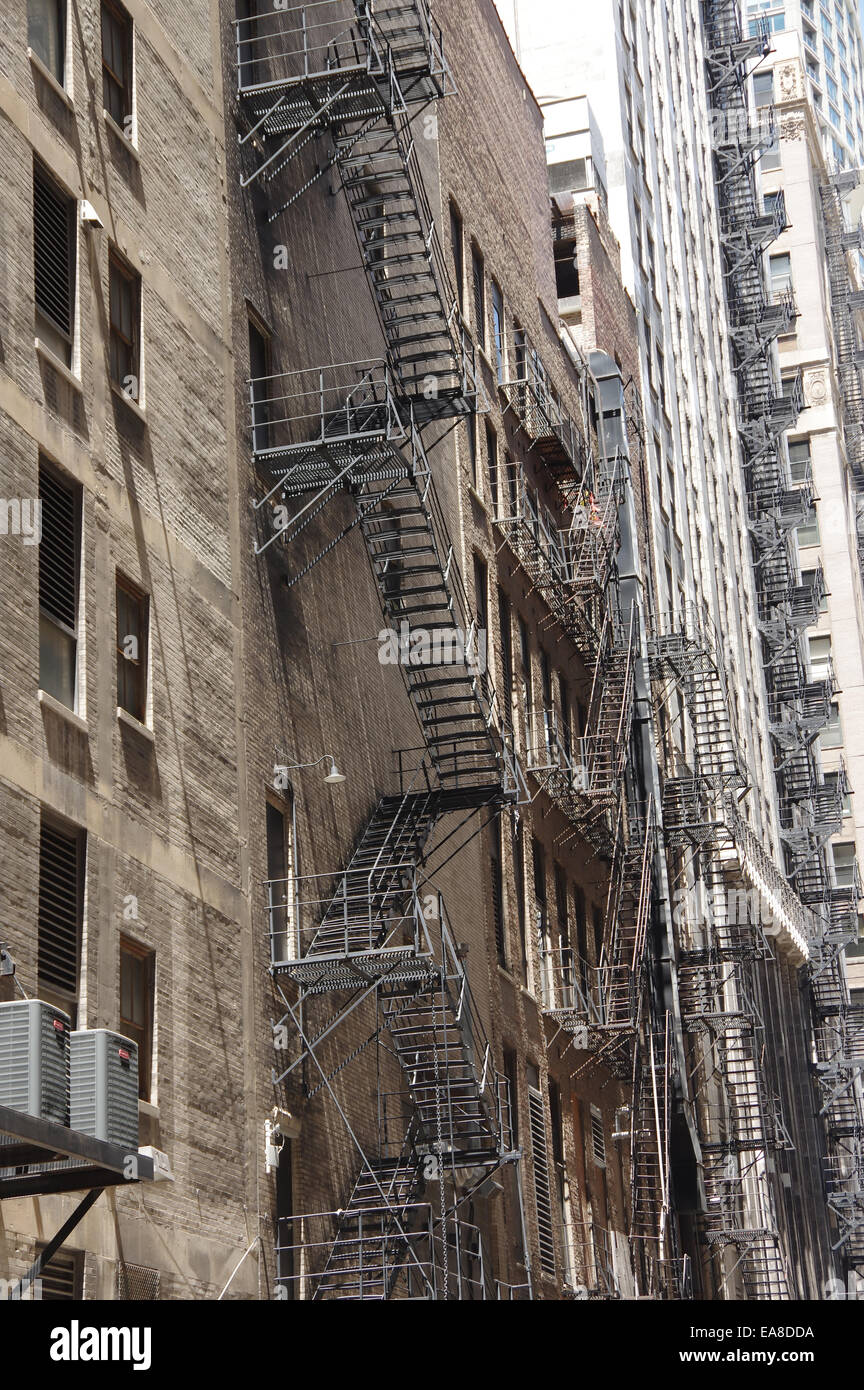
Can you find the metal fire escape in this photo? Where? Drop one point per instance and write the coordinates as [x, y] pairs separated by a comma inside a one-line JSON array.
[[846, 303], [799, 703], [335, 85]]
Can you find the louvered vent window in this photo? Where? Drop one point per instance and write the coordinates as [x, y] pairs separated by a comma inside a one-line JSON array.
[[59, 555], [598, 1140], [62, 1277], [542, 1187], [59, 915], [54, 263]]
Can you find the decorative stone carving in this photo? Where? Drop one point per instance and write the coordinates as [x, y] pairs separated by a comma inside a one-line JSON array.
[[792, 128], [789, 82], [815, 388]]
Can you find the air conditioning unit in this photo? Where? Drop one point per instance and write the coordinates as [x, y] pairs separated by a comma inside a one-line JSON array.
[[103, 1086], [34, 1060]]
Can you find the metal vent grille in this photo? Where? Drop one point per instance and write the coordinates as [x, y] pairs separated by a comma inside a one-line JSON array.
[[59, 897], [62, 1277], [52, 252], [58, 549], [542, 1189], [598, 1139], [137, 1283]]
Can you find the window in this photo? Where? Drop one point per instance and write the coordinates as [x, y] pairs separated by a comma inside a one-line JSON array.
[[478, 280], [458, 243], [54, 264], [832, 735], [506, 674], [259, 386], [63, 1276], [137, 991], [567, 271], [799, 462], [124, 292], [471, 436], [527, 682], [117, 64], [519, 883], [497, 874], [808, 531], [763, 88], [843, 855], [771, 158], [60, 911], [820, 657], [59, 565], [46, 34], [540, 1165], [598, 1139], [132, 649], [809, 579], [511, 1072], [492, 464], [498, 328], [780, 271], [281, 885], [286, 1270]]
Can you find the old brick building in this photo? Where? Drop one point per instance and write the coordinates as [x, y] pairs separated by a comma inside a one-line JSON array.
[[331, 773]]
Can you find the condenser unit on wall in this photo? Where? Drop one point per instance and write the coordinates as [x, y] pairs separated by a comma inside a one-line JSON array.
[[103, 1086], [34, 1060]]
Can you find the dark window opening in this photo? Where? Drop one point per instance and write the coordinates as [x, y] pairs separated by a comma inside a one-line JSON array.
[[124, 292], [60, 912], [132, 648], [137, 991], [117, 63], [54, 264], [59, 565]]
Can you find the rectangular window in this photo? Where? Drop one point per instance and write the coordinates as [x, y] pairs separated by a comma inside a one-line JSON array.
[[117, 63], [763, 88], [780, 271], [832, 735], [497, 873], [519, 881], [820, 657], [124, 293], [498, 329], [54, 264], [46, 34], [132, 648], [527, 683], [843, 855], [598, 1139], [281, 884], [260, 372], [808, 531], [511, 1072], [61, 878], [478, 280], [506, 658], [540, 1165], [137, 994], [809, 578], [471, 436], [457, 239], [799, 460], [59, 567], [492, 464]]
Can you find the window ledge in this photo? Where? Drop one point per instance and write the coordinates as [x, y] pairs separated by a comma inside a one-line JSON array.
[[146, 1107], [132, 723], [57, 707], [59, 365], [121, 135], [133, 405], [48, 76]]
